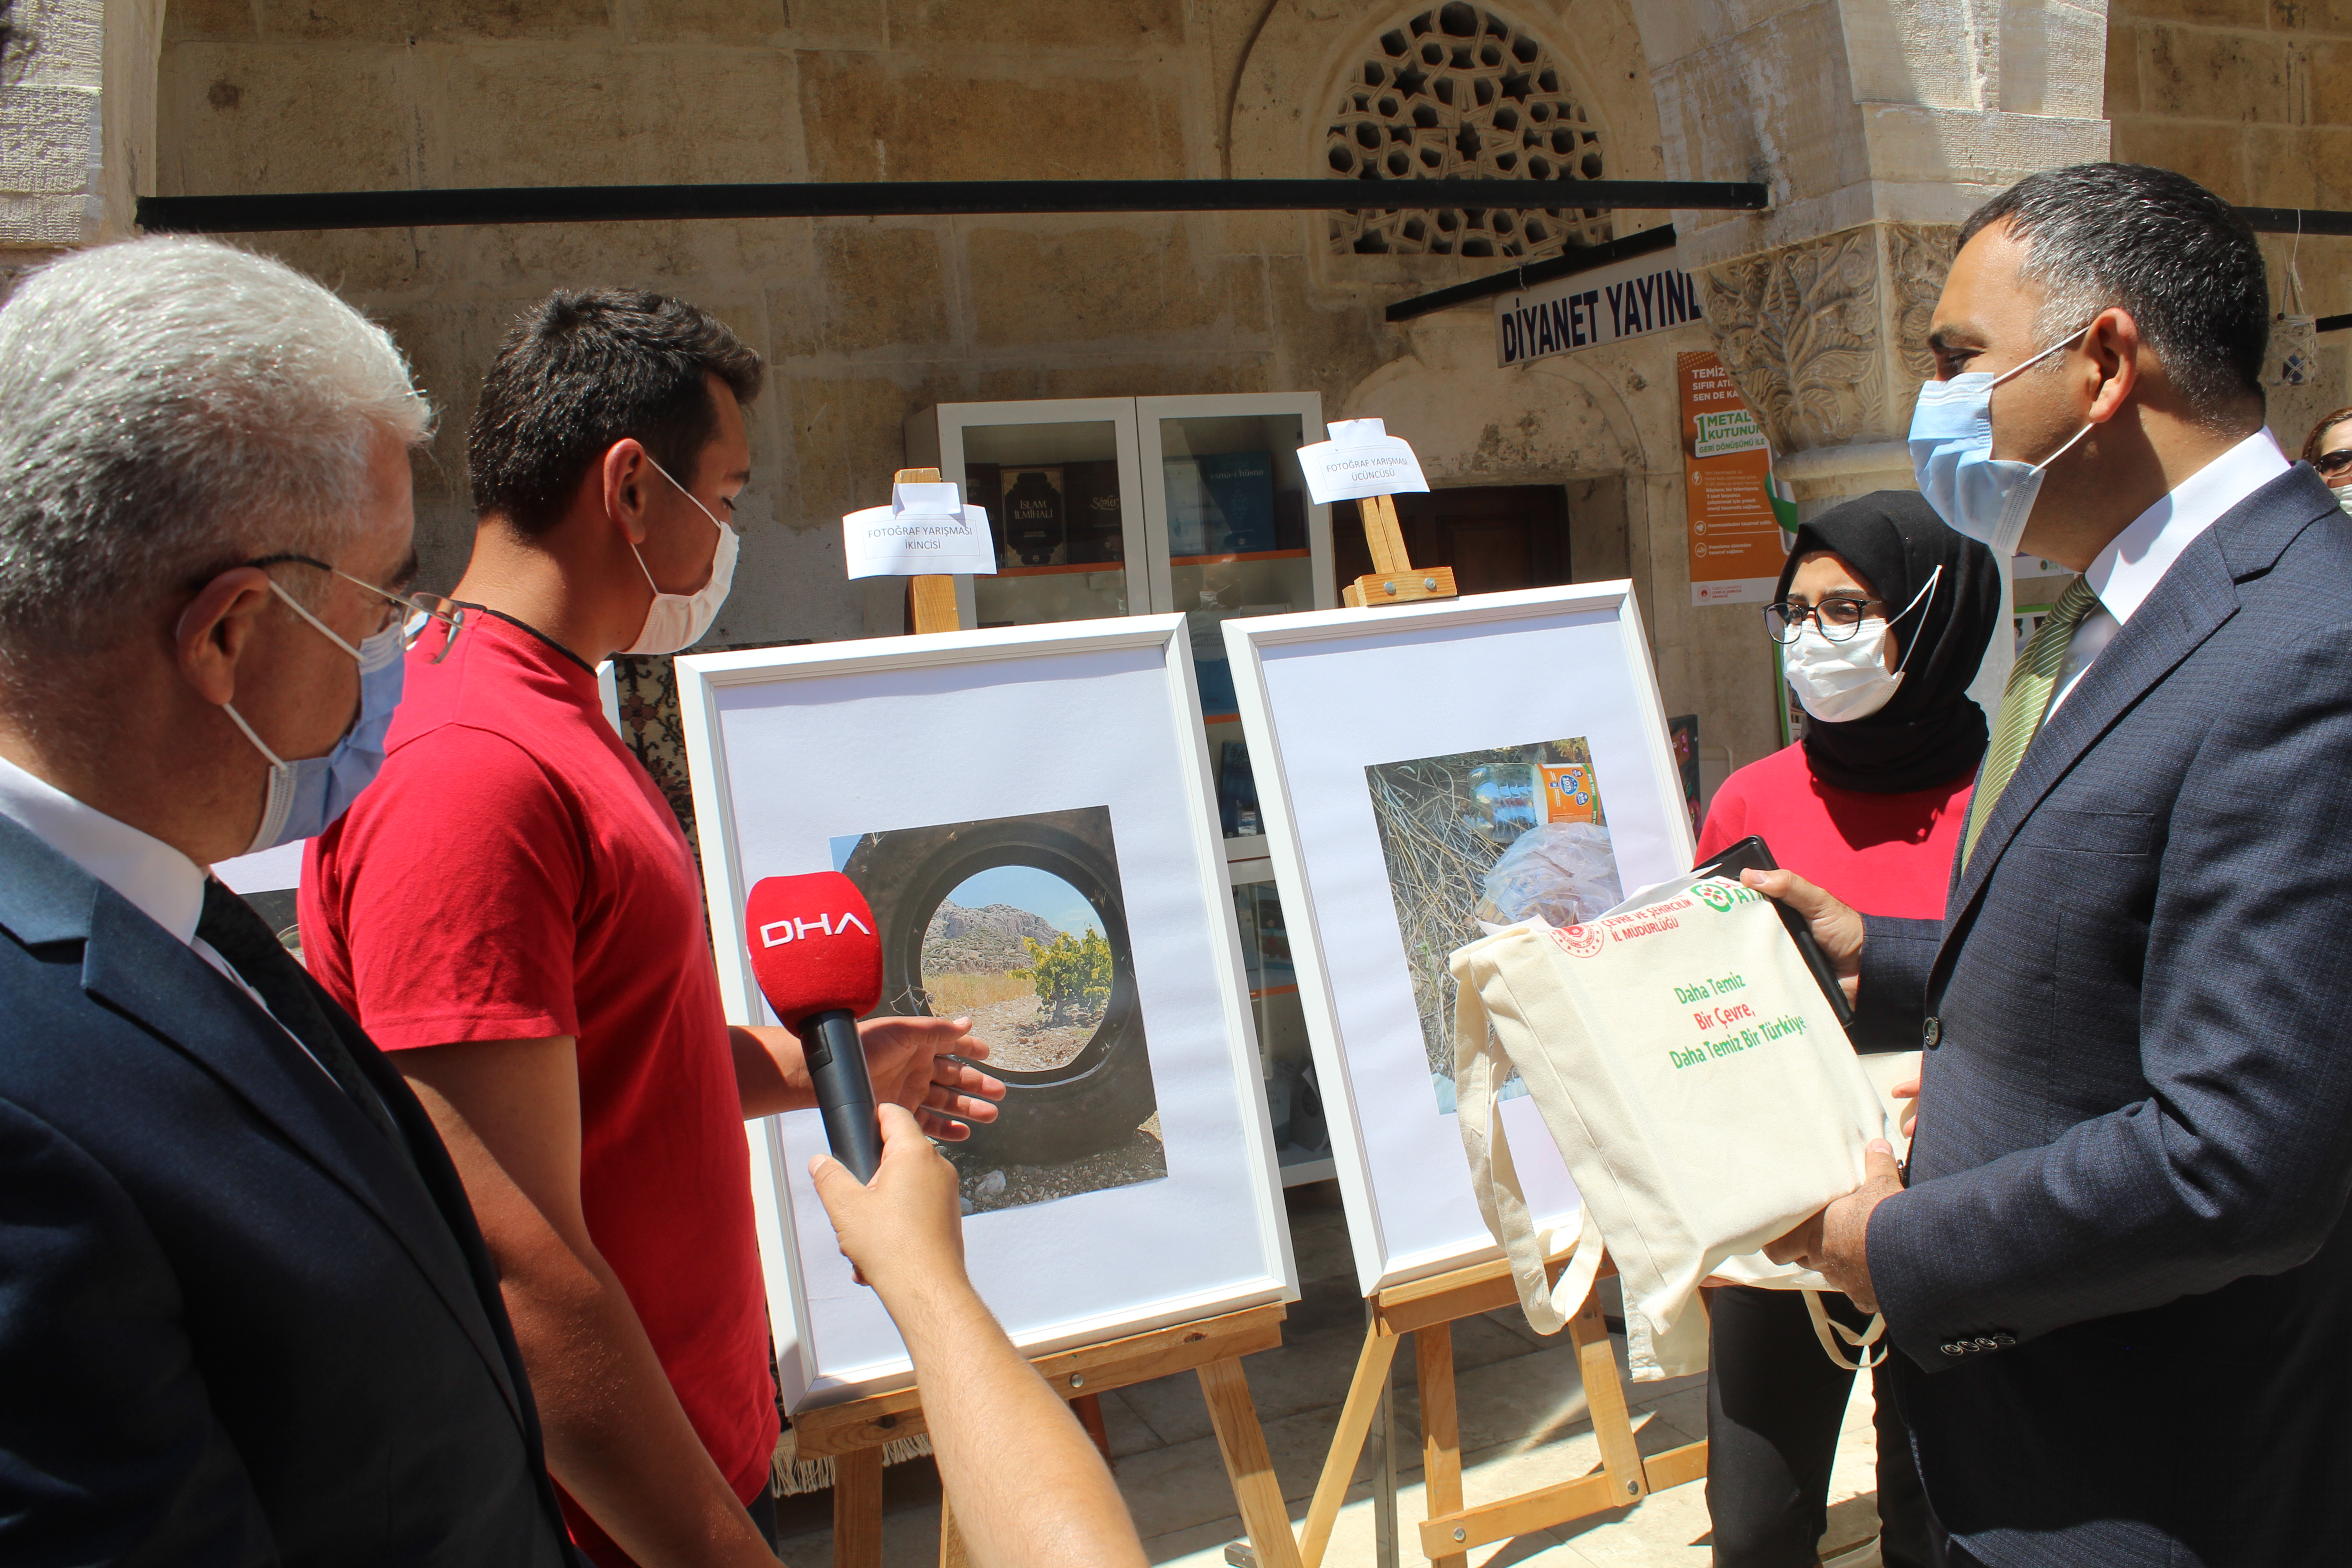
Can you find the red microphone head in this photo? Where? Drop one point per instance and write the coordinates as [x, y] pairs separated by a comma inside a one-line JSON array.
[[813, 945]]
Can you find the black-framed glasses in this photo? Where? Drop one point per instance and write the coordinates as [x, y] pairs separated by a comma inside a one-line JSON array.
[[2331, 464], [413, 613], [1839, 616]]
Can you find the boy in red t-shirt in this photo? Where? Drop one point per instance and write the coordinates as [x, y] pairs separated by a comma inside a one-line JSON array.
[[513, 911]]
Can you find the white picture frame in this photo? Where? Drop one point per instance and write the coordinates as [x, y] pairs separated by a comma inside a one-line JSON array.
[[1326, 695], [794, 750]]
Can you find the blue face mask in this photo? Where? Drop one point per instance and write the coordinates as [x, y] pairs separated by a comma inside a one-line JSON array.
[[306, 795], [1987, 498]]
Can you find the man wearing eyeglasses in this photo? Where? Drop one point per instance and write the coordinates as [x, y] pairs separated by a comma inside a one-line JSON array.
[[246, 1316], [514, 914]]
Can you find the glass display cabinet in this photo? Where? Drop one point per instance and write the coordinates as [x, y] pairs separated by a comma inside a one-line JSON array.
[[1134, 506]]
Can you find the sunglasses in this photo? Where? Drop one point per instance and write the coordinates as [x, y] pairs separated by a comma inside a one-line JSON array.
[[2331, 464]]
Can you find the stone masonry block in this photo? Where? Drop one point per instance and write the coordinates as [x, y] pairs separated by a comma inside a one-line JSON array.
[[454, 21], [207, 20], [848, 435], [254, 117], [884, 287], [1129, 280], [2198, 12], [2197, 75], [44, 140], [2312, 15], [2331, 82], [619, 116], [1131, 24], [2122, 71], [870, 119], [2282, 164], [2213, 155], [720, 21]]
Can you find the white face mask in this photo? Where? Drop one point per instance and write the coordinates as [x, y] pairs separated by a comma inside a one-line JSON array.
[[1988, 498], [1838, 682], [674, 621], [2344, 498]]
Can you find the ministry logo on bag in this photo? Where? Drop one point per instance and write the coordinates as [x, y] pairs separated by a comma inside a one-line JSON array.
[[1577, 941]]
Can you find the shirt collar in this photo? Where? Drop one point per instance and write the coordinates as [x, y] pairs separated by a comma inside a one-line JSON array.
[[2135, 561], [164, 884]]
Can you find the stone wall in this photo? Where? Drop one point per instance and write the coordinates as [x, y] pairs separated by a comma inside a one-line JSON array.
[[866, 321], [2252, 98]]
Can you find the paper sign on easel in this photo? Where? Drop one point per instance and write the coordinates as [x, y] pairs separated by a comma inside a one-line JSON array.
[[925, 530], [1361, 459]]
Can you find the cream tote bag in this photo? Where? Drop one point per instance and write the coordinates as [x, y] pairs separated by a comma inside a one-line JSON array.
[[1699, 1089]]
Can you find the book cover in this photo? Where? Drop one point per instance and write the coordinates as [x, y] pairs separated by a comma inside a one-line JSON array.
[[1241, 488]]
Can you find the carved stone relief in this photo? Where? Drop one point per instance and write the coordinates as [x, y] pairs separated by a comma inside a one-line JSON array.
[[1798, 328], [1917, 257]]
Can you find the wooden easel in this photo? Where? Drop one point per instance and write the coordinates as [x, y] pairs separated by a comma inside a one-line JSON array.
[[854, 1433], [1393, 579], [1427, 1309]]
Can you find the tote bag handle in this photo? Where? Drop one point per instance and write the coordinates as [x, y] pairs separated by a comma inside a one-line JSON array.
[[1478, 1057], [1863, 1342]]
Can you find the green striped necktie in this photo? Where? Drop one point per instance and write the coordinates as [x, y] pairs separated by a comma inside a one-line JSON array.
[[2024, 703]]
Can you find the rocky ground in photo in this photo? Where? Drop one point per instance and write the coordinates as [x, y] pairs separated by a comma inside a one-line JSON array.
[[1018, 1039], [988, 1185], [986, 940]]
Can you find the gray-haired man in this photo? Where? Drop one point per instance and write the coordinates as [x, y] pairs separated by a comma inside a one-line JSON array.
[[246, 1316]]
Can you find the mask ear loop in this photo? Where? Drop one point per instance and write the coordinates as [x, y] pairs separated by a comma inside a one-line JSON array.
[[1933, 578]]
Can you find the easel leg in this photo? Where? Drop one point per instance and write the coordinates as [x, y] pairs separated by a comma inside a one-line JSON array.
[[1384, 1502], [1346, 1444], [952, 1552], [1088, 1408], [1440, 1432], [1604, 1398], [1241, 1441], [857, 1508]]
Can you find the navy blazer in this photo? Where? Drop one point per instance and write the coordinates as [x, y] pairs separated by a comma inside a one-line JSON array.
[[236, 1326], [2119, 1277]]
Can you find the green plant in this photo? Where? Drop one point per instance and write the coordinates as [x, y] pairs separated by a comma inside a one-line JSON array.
[[1071, 973]]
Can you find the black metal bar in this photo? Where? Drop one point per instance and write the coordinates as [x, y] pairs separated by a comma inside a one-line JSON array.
[[2296, 220], [1646, 242], [912, 198], [2331, 323]]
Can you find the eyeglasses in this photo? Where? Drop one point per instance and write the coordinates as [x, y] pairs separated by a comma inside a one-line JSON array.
[[2331, 464], [413, 613], [1838, 617]]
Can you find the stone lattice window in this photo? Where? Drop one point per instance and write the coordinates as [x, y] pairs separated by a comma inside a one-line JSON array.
[[1457, 92]]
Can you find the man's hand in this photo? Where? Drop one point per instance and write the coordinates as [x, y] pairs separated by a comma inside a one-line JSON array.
[[1908, 1090], [1836, 927], [912, 1063], [1835, 1243], [905, 1225]]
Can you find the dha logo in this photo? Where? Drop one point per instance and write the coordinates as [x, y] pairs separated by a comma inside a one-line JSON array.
[[775, 934]]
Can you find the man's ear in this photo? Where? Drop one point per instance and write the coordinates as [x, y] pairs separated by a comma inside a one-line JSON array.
[[216, 628], [624, 473], [2112, 345]]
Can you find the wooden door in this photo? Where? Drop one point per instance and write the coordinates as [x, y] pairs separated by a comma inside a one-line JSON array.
[[1494, 536]]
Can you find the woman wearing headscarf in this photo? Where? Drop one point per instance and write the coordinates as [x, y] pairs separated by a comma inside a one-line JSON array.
[[1882, 613]]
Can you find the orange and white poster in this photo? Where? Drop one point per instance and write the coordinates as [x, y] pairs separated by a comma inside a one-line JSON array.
[[1735, 543]]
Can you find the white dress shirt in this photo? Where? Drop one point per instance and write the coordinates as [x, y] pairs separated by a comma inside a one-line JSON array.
[[159, 881], [2127, 572]]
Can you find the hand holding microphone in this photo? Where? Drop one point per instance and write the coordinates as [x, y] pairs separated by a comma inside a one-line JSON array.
[[820, 966]]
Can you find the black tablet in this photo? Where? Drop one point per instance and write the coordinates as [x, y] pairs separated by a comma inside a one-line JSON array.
[[1751, 854]]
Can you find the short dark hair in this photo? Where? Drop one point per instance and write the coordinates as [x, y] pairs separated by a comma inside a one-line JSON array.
[[585, 369], [2159, 244]]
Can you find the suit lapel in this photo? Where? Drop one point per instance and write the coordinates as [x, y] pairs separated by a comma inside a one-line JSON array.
[[137, 969]]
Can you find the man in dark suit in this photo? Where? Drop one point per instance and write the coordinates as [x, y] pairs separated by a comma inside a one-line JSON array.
[[2118, 1277], [245, 1313]]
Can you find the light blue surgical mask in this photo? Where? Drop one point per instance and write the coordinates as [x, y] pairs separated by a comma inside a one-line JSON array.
[[307, 794], [1984, 498]]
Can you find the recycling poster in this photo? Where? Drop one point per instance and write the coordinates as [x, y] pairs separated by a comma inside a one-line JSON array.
[[1735, 543]]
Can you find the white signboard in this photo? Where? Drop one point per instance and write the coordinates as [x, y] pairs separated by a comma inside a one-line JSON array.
[[1360, 459], [925, 529], [1607, 305]]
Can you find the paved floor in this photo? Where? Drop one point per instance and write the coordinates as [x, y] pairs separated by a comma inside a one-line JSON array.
[[1523, 1425]]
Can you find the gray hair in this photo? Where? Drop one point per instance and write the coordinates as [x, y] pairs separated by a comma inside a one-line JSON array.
[[169, 407], [2162, 247]]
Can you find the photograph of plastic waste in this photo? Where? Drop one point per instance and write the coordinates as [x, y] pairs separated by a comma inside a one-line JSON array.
[[1481, 840]]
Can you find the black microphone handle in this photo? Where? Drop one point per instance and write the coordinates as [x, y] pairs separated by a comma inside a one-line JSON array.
[[844, 1093]]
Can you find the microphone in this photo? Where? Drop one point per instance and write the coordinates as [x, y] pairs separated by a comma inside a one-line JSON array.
[[820, 966]]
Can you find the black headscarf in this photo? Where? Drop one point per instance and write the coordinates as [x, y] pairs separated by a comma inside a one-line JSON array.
[[1929, 733]]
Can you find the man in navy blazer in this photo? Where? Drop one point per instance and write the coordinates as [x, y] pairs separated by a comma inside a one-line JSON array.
[[246, 1316], [2118, 1277]]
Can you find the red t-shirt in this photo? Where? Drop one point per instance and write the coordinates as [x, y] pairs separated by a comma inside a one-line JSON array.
[[514, 873], [1882, 854]]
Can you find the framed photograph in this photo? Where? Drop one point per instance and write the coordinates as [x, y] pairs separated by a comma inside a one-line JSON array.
[[1425, 774], [1030, 813]]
